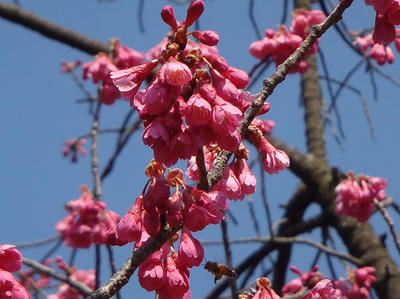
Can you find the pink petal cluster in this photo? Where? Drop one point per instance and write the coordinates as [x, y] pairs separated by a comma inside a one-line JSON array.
[[237, 180], [324, 289], [387, 16], [355, 195], [195, 99], [10, 261], [381, 53], [72, 147], [100, 69], [308, 279], [273, 159], [358, 283], [87, 222], [65, 291], [264, 291], [279, 45]]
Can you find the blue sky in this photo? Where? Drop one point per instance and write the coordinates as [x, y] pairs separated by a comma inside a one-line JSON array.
[[38, 112]]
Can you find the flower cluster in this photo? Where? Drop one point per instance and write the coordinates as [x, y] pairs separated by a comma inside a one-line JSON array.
[[355, 195], [65, 291], [10, 261], [279, 45], [264, 290], [99, 70], [308, 279], [167, 270], [356, 286], [195, 99], [72, 147], [381, 53], [387, 16], [87, 222]]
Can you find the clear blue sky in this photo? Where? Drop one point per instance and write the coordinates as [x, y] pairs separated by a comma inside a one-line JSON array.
[[38, 112]]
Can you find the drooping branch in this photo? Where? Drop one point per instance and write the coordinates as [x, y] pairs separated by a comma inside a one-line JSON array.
[[16, 14]]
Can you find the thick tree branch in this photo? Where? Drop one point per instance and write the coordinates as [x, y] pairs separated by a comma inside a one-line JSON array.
[[16, 14]]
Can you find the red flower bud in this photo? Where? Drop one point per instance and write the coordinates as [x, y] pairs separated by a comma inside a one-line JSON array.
[[194, 11]]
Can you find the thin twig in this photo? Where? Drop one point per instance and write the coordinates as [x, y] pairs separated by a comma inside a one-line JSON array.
[[390, 223], [228, 255], [265, 200], [121, 144], [140, 16], [97, 265], [52, 250], [290, 240], [253, 20], [79, 286], [38, 243]]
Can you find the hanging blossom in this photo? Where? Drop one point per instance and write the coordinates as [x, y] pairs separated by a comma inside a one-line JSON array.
[[381, 53], [87, 222], [99, 70], [195, 102], [65, 291], [308, 279], [195, 99], [279, 45], [74, 146], [387, 16], [355, 195], [10, 261], [167, 270]]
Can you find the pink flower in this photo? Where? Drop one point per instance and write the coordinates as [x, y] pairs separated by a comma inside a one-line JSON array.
[[72, 147], [262, 48], [10, 288], [238, 77], [197, 111], [65, 291], [324, 289], [225, 117], [382, 54], [365, 276], [264, 290], [246, 178], [176, 73], [126, 57], [168, 16], [194, 12], [10, 258], [203, 208], [354, 196], [190, 252], [100, 69], [88, 221], [177, 282], [273, 160], [151, 274], [384, 32], [129, 80], [209, 38]]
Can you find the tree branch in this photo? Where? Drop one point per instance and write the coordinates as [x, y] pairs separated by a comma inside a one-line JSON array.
[[17, 15]]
